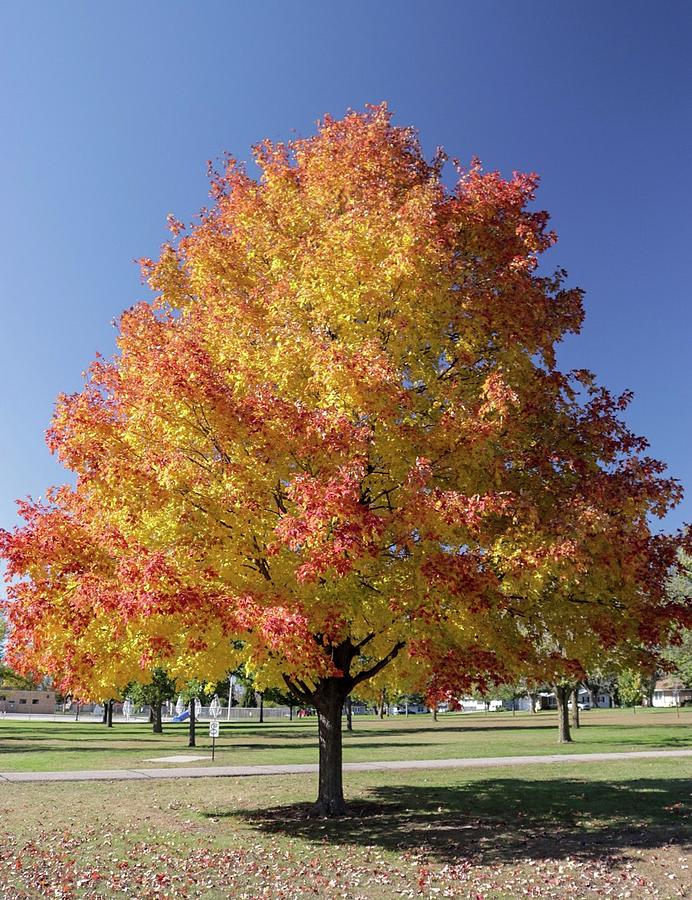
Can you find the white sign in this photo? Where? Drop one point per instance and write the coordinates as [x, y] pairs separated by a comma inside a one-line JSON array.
[[214, 729]]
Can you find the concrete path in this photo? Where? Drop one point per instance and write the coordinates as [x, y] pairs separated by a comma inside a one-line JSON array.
[[244, 771]]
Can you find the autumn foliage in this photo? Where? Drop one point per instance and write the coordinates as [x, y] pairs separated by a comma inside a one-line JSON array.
[[338, 440]]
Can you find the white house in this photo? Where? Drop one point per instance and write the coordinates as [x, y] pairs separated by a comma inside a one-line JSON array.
[[670, 692]]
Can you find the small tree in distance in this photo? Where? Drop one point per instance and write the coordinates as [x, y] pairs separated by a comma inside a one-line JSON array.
[[337, 442], [154, 694], [630, 687]]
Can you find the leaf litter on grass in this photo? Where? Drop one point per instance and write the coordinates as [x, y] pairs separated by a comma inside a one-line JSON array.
[[250, 839], [62, 866]]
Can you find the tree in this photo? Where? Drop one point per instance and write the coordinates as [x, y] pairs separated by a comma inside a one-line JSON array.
[[154, 693], [8, 677], [679, 655], [338, 436], [630, 687], [562, 690], [511, 693]]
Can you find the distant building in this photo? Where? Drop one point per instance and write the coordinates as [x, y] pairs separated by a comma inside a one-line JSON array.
[[16, 701], [603, 700], [670, 692]]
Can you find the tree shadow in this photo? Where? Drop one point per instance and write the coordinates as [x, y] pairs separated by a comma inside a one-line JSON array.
[[498, 820]]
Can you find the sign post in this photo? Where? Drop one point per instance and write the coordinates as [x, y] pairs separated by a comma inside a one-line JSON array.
[[213, 734], [215, 713]]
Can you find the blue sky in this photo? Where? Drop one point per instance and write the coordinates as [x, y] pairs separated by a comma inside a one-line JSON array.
[[110, 112]]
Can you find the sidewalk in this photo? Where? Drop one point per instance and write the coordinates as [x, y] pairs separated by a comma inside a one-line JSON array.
[[308, 769]]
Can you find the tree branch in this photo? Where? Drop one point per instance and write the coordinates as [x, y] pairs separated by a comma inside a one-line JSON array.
[[296, 691], [370, 673], [366, 640]]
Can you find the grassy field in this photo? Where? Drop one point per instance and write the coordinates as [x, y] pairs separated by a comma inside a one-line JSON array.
[[616, 829], [44, 746]]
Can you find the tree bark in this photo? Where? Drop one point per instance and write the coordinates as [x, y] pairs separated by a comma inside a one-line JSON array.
[[349, 714], [650, 687], [157, 724], [329, 700], [261, 708], [383, 700], [109, 721], [193, 714], [562, 693], [575, 707], [533, 697], [105, 712]]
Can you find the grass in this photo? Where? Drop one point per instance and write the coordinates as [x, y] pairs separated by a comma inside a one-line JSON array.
[[618, 829], [68, 745]]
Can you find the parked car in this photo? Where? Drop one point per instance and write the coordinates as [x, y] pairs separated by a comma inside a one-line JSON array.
[[581, 704]]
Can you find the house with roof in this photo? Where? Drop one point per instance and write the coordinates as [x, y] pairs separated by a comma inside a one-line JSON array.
[[670, 691]]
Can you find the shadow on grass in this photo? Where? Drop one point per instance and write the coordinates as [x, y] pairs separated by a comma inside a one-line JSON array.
[[499, 820]]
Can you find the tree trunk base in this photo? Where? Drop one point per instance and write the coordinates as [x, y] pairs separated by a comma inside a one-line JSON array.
[[328, 809]]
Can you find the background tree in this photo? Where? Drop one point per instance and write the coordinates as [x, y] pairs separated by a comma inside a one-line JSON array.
[[339, 436], [679, 655], [630, 687], [154, 694], [680, 658], [511, 693]]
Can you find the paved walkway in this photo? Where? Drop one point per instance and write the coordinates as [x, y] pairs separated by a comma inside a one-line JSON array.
[[240, 771]]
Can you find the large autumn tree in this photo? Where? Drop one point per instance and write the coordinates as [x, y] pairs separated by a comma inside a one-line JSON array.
[[337, 441]]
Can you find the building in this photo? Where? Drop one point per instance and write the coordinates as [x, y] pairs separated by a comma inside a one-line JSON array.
[[16, 701], [670, 692]]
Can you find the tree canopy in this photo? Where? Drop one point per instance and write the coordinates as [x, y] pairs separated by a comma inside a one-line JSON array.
[[337, 440]]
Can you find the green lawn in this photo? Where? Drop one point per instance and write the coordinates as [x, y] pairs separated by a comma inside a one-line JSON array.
[[616, 829], [42, 746]]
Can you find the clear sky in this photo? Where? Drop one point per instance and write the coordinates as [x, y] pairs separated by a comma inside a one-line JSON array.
[[109, 112]]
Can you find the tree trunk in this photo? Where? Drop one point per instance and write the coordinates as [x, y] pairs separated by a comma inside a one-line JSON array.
[[562, 693], [575, 707], [110, 714], [650, 687], [349, 714], [105, 712], [533, 697], [290, 712], [329, 700], [383, 700], [261, 696], [193, 714], [157, 724]]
